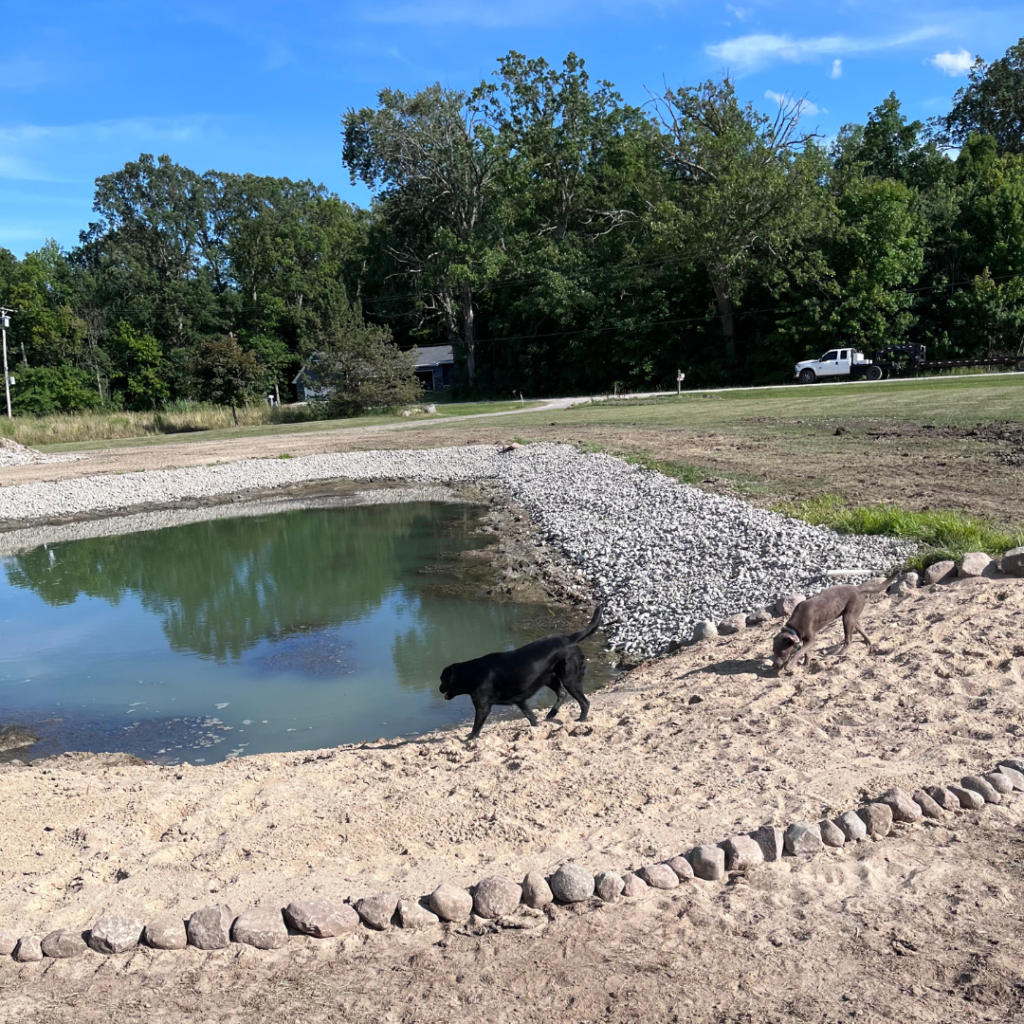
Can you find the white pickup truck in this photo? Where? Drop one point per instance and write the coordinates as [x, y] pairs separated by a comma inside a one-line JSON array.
[[838, 362]]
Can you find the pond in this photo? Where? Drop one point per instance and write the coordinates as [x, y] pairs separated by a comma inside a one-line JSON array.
[[282, 631]]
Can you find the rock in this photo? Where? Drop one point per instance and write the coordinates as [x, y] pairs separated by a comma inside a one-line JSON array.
[[659, 876], [210, 928], [262, 927], [63, 944], [608, 886], [940, 572], [944, 798], [571, 884], [852, 825], [741, 853], [376, 911], [759, 616], [803, 839], [733, 624], [831, 833], [974, 564], [28, 949], [999, 782], [324, 919], [906, 583], [112, 934], [681, 866], [413, 917], [1013, 762], [770, 839], [166, 932], [786, 604], [705, 630], [451, 903], [633, 886], [929, 807], [1016, 778], [970, 799], [497, 897], [430, 409], [537, 893], [903, 808], [1013, 562], [982, 786], [7, 943], [708, 862], [877, 818]]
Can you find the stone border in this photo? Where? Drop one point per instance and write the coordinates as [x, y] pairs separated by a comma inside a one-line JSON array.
[[498, 902]]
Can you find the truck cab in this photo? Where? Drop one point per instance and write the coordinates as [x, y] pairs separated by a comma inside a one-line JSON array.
[[837, 362]]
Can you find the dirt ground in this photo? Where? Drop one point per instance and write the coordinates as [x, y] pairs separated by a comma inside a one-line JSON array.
[[923, 926], [765, 460]]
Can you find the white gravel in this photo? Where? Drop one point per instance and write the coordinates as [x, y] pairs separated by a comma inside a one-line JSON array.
[[664, 555]]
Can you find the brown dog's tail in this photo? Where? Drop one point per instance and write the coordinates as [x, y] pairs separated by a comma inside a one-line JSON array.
[[878, 588], [586, 631]]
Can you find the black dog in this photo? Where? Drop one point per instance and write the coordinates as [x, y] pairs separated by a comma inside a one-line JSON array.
[[513, 677]]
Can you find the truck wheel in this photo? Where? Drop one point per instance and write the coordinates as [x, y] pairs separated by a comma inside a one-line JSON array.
[[807, 376], [874, 373], [1020, 364]]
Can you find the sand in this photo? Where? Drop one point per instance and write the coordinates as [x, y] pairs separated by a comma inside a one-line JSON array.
[[923, 926]]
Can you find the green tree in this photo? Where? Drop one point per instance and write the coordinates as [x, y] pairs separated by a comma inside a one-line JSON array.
[[361, 368], [992, 103], [142, 366], [227, 374]]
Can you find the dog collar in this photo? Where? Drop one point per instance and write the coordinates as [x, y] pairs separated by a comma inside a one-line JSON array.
[[795, 635]]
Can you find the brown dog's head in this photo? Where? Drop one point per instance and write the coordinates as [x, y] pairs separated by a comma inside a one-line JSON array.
[[786, 646]]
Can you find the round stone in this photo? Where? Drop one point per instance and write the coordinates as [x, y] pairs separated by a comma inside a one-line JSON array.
[[536, 891], [497, 897], [377, 911], [571, 884], [112, 934], [322, 919], [166, 932], [210, 927], [63, 944], [659, 876], [262, 927], [451, 903], [608, 886]]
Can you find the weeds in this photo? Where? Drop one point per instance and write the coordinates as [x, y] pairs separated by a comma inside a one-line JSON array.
[[943, 534]]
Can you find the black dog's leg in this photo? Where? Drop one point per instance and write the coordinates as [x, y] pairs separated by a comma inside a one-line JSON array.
[[560, 695], [482, 711], [571, 677], [525, 708]]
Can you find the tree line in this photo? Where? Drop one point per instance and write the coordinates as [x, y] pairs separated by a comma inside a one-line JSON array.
[[561, 239]]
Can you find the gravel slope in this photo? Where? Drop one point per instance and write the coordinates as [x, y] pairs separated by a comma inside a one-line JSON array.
[[664, 555]]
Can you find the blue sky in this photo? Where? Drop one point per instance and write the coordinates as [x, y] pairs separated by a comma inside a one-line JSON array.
[[260, 86]]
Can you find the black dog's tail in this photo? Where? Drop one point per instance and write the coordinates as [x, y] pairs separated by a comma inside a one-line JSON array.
[[594, 623]]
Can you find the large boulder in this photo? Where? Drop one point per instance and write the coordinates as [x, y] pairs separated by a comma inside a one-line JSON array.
[[742, 853], [7, 943], [681, 866], [571, 884], [947, 800], [608, 886], [976, 563], [262, 927], [377, 911], [113, 934], [852, 825], [982, 786], [497, 897], [167, 931], [803, 839], [940, 572], [903, 808], [659, 876], [786, 604], [412, 917], [733, 624], [210, 927], [1013, 562], [771, 841], [28, 950], [63, 944], [451, 903], [970, 799], [929, 807], [323, 919], [708, 863], [831, 834], [634, 886], [877, 818], [705, 630], [537, 893]]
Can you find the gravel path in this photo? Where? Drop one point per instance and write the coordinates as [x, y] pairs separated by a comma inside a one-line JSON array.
[[665, 556]]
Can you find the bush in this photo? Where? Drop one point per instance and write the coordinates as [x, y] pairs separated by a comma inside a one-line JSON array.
[[45, 389]]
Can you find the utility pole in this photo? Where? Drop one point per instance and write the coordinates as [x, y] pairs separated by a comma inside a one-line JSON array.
[[5, 322]]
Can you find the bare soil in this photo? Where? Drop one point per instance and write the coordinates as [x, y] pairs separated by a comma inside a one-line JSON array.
[[923, 926], [766, 460]]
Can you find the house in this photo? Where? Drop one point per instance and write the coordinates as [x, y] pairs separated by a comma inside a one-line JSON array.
[[433, 367]]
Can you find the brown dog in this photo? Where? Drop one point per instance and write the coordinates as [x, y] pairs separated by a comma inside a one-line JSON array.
[[810, 617]]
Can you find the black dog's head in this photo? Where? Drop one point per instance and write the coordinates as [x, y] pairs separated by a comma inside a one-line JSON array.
[[785, 648], [450, 683]]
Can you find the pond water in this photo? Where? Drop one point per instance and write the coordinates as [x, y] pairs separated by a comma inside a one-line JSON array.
[[287, 631]]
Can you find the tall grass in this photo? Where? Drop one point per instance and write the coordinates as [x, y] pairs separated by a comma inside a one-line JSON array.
[[943, 534], [180, 417]]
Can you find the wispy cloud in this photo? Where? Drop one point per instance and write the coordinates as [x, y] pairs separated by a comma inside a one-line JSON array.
[[953, 64], [837, 69], [805, 107], [740, 13], [754, 52], [33, 152]]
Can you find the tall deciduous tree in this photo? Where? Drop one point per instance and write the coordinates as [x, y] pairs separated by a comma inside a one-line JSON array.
[[227, 374]]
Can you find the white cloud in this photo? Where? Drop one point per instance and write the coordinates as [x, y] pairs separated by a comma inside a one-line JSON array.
[[754, 52], [953, 64], [805, 107], [740, 13], [837, 69]]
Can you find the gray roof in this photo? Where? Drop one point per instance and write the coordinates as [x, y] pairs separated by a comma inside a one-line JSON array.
[[434, 355]]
